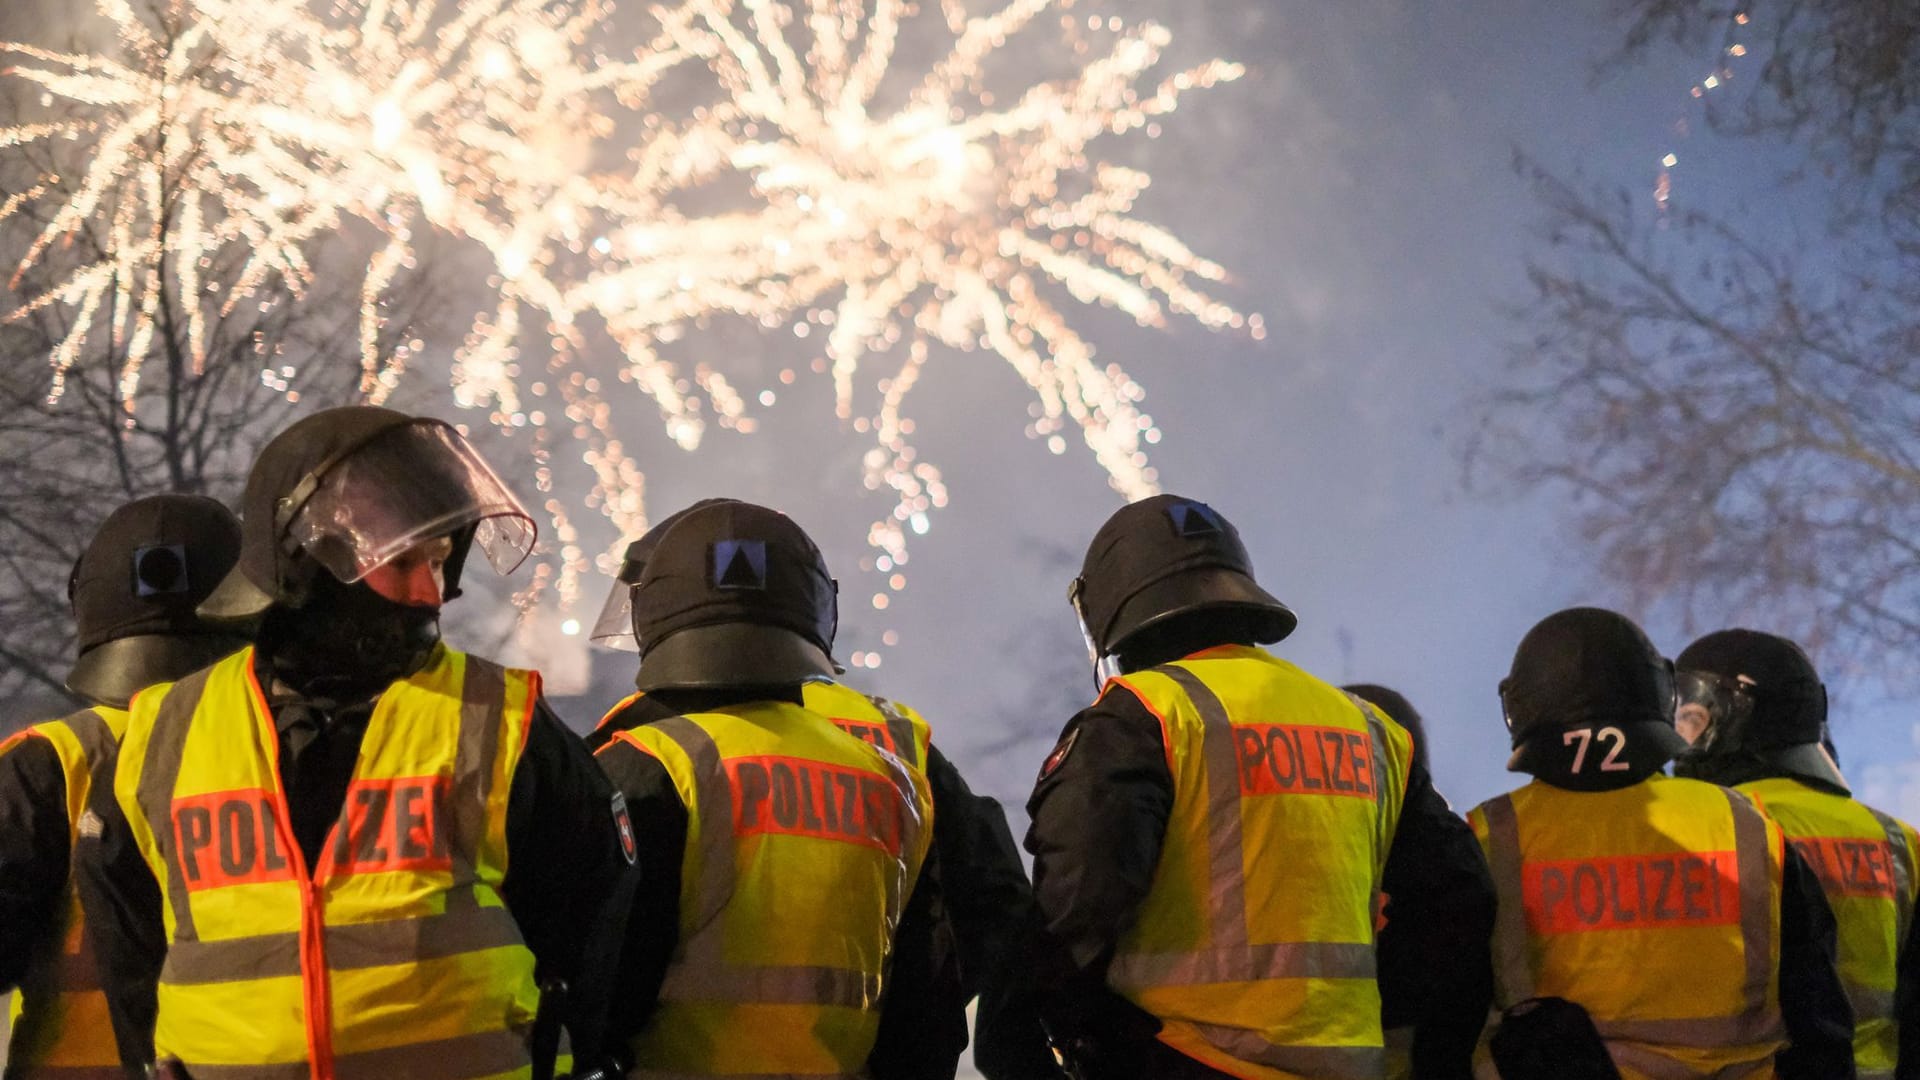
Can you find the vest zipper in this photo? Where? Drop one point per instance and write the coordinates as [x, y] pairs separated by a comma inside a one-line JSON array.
[[314, 983]]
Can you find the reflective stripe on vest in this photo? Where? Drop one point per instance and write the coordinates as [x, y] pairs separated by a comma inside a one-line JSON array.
[[1231, 778], [871, 718], [784, 808], [393, 955], [1563, 890], [61, 1030], [1864, 860]]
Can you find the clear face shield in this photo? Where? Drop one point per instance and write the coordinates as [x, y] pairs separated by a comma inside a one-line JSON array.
[[405, 486], [1104, 667], [1713, 710], [614, 628]]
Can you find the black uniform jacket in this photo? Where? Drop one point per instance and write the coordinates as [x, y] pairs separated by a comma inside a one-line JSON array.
[[1100, 811], [959, 936], [563, 850], [34, 852]]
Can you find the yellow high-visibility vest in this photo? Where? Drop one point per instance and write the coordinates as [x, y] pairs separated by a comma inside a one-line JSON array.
[[803, 845], [61, 1030], [1865, 861], [1255, 944], [1656, 907], [889, 725], [392, 957]]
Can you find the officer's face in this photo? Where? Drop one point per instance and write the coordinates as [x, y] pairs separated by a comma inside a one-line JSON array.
[[417, 576], [1692, 721]]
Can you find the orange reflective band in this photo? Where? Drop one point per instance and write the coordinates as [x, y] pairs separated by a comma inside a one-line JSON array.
[[799, 797], [229, 838], [391, 825], [1287, 759], [1848, 866], [1632, 892]]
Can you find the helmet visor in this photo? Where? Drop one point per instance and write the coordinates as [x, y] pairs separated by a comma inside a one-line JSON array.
[[404, 486], [614, 628], [1710, 709]]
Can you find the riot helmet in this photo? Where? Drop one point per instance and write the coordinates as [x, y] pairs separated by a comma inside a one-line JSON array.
[[734, 594], [614, 628], [1760, 707], [135, 589], [349, 489], [1589, 702], [1161, 558]]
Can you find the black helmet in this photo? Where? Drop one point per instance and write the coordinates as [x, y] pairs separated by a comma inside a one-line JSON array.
[[1764, 707], [135, 589], [614, 628], [348, 489], [1577, 675], [1398, 709], [1163, 557], [734, 594]]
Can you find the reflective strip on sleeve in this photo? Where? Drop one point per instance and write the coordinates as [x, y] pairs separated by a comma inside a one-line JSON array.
[[154, 792], [1903, 871]]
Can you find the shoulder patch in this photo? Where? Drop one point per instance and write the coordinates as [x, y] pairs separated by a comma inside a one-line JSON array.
[[90, 825], [1059, 755], [623, 823]]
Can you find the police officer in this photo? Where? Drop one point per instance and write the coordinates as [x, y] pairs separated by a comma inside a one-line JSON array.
[[987, 897], [1399, 1036], [1212, 836], [1667, 909], [350, 850], [133, 593], [801, 937], [1760, 716]]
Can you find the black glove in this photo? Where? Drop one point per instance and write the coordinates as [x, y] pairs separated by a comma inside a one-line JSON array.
[[1550, 1038]]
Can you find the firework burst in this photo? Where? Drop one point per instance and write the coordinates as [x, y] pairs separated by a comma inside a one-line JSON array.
[[892, 214], [221, 127], [946, 219]]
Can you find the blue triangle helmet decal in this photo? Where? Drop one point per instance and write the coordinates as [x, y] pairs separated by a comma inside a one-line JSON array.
[[740, 564], [1192, 519]]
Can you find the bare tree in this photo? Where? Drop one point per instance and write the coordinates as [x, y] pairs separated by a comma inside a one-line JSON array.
[[194, 425], [1740, 419]]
